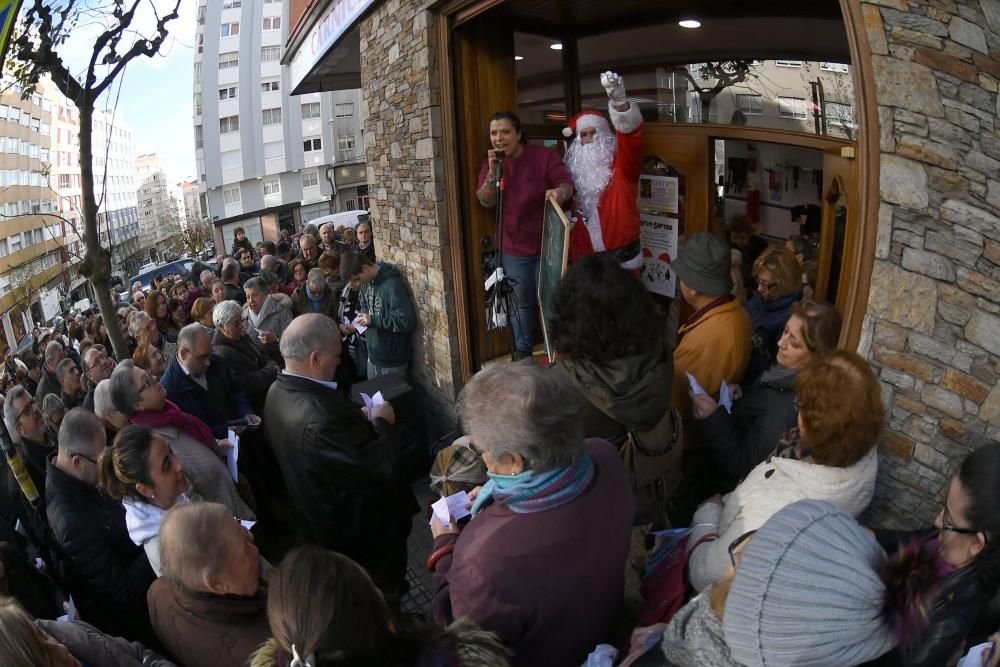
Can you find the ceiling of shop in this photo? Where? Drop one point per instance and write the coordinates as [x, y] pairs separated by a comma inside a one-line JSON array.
[[640, 30]]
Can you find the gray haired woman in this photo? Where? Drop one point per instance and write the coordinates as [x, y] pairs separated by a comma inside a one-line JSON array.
[[246, 359], [143, 400], [555, 501]]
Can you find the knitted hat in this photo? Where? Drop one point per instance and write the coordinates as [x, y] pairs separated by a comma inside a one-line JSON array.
[[807, 592], [703, 264], [583, 120]]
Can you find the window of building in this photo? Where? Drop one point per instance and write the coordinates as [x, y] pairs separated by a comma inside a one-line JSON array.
[[346, 142], [272, 86], [272, 23], [36, 124], [344, 109], [25, 119], [270, 53], [227, 93], [231, 195], [231, 159], [230, 29], [272, 186], [310, 179], [839, 68], [197, 104], [233, 4], [751, 105], [229, 60], [3, 247], [315, 144], [274, 149], [199, 142], [15, 243], [272, 116], [310, 110], [229, 124], [841, 114], [788, 63], [792, 107]]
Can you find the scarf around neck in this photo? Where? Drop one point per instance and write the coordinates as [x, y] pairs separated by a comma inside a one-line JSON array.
[[316, 300], [173, 416], [528, 492]]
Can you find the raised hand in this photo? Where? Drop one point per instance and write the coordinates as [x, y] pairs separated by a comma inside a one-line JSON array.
[[614, 86]]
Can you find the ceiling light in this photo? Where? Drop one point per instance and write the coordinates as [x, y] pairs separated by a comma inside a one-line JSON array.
[[556, 47], [517, 58], [689, 23]]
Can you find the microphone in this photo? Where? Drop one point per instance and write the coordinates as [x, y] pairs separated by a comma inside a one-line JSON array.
[[500, 155]]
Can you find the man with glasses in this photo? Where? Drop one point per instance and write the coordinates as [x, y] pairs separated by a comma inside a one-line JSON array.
[[110, 573], [200, 383], [26, 425], [97, 366]]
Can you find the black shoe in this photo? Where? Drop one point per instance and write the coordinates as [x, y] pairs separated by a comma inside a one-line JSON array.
[[517, 355]]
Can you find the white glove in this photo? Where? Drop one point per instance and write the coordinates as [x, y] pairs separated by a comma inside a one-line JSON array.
[[614, 85]]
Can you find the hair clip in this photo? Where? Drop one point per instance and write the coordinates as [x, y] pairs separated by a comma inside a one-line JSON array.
[[297, 660]]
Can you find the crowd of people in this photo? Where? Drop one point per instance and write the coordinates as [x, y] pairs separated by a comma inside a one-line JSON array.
[[212, 495]]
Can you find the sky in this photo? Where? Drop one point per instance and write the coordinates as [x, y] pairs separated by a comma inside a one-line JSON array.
[[156, 93]]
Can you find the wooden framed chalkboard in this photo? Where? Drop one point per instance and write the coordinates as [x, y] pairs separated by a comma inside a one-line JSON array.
[[552, 267]]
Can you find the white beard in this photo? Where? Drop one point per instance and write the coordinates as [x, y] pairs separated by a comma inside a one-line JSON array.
[[590, 165]]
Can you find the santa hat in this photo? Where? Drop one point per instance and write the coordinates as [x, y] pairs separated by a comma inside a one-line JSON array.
[[586, 119]]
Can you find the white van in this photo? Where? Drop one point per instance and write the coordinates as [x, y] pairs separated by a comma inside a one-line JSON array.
[[345, 218]]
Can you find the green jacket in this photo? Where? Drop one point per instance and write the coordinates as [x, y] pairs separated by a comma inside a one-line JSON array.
[[392, 318]]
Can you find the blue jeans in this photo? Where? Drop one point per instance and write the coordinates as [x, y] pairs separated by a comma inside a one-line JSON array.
[[523, 272]]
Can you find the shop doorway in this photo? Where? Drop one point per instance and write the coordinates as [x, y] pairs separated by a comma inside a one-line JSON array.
[[789, 83]]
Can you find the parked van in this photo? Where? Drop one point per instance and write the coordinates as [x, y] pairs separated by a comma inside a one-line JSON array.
[[345, 218], [146, 274]]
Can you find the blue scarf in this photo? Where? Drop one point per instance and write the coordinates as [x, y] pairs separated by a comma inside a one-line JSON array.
[[528, 491], [316, 300]]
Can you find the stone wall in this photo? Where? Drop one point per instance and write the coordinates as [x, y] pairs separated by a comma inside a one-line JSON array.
[[401, 117], [933, 324]]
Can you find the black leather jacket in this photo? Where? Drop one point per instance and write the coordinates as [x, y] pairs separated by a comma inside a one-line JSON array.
[[953, 616]]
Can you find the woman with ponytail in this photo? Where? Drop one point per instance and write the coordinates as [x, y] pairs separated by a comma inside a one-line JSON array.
[[966, 539], [140, 470], [324, 610], [810, 587]]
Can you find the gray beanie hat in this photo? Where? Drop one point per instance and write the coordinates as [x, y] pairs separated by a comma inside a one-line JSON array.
[[704, 263], [807, 592]]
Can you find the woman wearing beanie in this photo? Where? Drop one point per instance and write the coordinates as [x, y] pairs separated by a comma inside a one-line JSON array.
[[966, 537], [830, 456], [811, 588]]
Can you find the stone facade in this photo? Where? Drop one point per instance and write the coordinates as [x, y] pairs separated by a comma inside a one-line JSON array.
[[933, 325], [401, 117]]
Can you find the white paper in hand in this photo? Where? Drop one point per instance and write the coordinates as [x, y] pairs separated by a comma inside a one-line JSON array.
[[455, 506], [360, 327], [70, 614], [247, 524], [233, 455], [975, 656], [725, 398], [372, 402], [696, 388]]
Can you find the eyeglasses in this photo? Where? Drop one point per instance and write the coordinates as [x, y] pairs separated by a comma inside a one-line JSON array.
[[738, 546], [29, 407], [84, 456], [947, 526], [147, 382], [765, 287], [475, 450]]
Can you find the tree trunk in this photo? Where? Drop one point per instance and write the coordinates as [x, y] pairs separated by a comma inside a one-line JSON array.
[[706, 105], [97, 260]]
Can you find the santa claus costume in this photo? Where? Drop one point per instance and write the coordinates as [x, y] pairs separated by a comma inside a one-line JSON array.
[[606, 173]]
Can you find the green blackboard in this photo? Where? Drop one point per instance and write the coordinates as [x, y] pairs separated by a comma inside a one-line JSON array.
[[552, 267]]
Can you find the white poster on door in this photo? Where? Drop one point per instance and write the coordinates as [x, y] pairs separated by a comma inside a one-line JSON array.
[[658, 192], [658, 237]]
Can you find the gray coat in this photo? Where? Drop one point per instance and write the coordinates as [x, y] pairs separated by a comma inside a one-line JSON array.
[[273, 318], [92, 647]]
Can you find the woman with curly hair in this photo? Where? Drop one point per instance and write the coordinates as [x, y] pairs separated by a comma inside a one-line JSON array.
[[158, 308]]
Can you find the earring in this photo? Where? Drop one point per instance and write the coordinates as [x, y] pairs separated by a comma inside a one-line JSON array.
[[152, 496]]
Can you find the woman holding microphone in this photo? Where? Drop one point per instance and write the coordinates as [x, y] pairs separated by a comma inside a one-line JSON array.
[[530, 175]]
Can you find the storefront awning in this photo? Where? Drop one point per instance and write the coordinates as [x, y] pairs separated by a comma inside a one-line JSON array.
[[328, 56]]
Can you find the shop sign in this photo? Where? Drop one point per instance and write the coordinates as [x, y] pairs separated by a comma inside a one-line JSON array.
[[339, 18]]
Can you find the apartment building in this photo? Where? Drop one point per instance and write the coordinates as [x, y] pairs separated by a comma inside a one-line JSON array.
[[114, 185], [160, 208], [31, 260], [267, 160], [192, 204]]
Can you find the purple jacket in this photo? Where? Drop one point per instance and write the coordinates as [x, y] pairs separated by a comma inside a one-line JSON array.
[[550, 583]]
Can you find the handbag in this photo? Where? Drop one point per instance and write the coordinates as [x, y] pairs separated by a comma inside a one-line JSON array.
[[664, 586], [653, 459]]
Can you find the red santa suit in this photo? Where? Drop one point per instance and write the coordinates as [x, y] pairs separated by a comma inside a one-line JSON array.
[[614, 223]]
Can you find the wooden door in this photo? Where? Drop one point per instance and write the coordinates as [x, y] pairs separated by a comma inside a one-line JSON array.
[[839, 236], [484, 84]]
